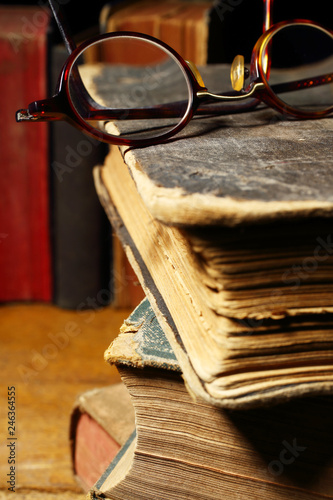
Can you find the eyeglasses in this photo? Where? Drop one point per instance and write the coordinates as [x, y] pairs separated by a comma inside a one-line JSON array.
[[143, 92]]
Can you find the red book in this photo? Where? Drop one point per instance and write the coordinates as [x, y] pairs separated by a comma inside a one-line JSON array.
[[25, 260], [101, 423]]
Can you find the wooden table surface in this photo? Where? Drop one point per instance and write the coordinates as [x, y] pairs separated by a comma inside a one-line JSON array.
[[50, 355]]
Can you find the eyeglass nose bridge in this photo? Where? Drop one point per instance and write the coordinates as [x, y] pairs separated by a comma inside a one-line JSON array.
[[238, 73]]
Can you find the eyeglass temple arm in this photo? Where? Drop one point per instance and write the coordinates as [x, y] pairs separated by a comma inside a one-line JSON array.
[[268, 11], [47, 110], [70, 46], [43, 110], [303, 84], [236, 102], [62, 25]]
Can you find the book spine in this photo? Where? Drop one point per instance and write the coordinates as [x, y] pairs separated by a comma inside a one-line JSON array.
[[25, 256], [81, 232]]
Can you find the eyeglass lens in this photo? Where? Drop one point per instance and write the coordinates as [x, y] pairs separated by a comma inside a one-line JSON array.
[[140, 86], [299, 53]]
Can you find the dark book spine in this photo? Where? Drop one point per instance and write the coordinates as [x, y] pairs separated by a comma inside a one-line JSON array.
[[81, 232]]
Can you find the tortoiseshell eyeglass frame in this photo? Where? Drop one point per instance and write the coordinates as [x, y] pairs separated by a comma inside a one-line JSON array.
[[61, 107]]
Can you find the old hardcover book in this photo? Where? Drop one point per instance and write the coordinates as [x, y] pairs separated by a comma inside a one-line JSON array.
[[185, 448], [101, 423], [229, 232]]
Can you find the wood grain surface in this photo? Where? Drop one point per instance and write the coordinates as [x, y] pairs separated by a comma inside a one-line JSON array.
[[50, 356]]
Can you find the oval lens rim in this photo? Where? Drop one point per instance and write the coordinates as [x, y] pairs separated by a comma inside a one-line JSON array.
[[274, 99], [115, 139]]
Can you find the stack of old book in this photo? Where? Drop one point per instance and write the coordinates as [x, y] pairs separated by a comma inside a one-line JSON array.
[[228, 228], [180, 447]]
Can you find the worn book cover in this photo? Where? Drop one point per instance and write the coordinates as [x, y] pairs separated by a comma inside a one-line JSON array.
[[248, 359]]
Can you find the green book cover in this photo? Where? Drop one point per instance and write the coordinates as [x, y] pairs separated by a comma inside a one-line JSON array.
[[142, 342]]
